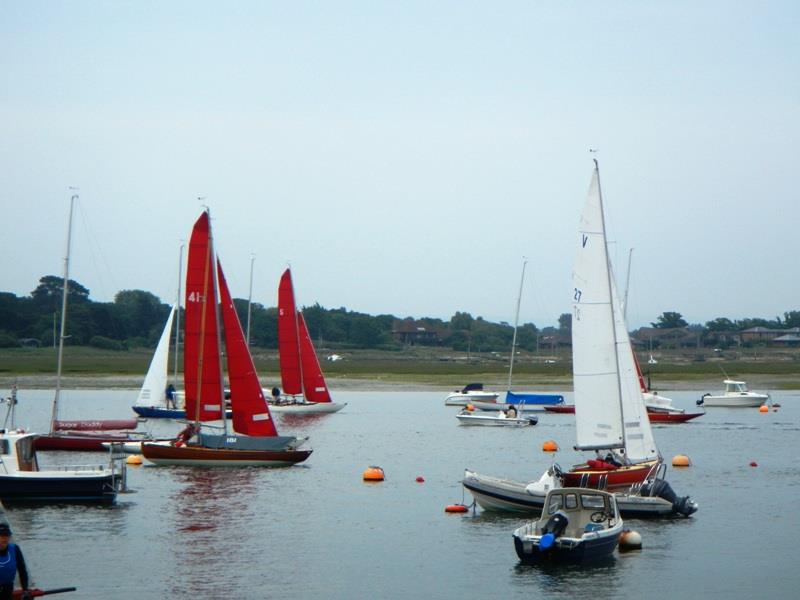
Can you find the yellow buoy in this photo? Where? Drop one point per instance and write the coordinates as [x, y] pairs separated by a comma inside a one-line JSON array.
[[373, 473], [630, 540], [681, 460], [549, 446], [134, 459], [763, 408]]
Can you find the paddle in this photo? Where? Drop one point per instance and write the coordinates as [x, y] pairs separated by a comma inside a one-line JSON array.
[[36, 592]]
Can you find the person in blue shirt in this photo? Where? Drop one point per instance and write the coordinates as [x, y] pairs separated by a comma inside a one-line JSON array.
[[11, 563]]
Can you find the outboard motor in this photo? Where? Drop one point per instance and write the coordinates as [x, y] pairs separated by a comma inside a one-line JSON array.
[[682, 505], [555, 526]]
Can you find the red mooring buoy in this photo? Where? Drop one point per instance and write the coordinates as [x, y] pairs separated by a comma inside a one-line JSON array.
[[753, 463], [420, 479]]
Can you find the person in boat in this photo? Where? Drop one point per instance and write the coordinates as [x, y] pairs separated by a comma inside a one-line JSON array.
[[11, 563], [170, 396], [511, 412]]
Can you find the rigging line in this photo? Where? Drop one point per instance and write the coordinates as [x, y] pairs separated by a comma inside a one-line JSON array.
[[94, 250]]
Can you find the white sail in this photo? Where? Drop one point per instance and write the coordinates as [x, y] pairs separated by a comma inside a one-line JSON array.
[[598, 406], [639, 443], [609, 408], [155, 382]]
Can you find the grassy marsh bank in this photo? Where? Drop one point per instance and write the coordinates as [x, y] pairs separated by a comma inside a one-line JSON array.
[[416, 367]]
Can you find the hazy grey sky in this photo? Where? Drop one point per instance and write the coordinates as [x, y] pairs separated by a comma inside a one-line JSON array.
[[404, 156]]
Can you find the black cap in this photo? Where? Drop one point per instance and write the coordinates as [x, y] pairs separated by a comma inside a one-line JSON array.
[[5, 529]]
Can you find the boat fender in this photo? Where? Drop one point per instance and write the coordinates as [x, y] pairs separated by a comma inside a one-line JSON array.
[[630, 540]]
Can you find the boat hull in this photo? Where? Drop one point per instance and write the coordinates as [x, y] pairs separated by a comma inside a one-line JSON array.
[[655, 416], [625, 476], [43, 487], [505, 495], [164, 453], [83, 442], [461, 399], [493, 421], [586, 550], [743, 401], [308, 408], [159, 412]]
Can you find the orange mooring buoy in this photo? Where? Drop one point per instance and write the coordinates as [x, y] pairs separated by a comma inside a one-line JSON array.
[[763, 408], [373, 473], [456, 508], [549, 446], [681, 460]]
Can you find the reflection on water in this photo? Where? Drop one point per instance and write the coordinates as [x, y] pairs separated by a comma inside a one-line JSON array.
[[317, 531]]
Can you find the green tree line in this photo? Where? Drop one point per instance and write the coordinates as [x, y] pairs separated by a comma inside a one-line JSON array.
[[136, 318]]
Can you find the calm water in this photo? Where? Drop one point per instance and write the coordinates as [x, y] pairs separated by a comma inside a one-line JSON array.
[[318, 531]]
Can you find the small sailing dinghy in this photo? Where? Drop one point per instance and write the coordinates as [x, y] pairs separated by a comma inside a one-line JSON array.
[[577, 525], [254, 440], [154, 400], [304, 387], [80, 435], [610, 414]]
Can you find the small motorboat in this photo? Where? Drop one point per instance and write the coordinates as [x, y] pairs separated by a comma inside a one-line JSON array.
[[577, 525], [472, 392], [23, 481], [654, 498], [736, 394], [495, 418]]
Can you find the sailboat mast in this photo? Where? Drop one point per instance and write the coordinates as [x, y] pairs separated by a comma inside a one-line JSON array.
[[610, 295], [297, 337], [178, 316], [516, 323], [62, 336], [215, 270], [250, 301]]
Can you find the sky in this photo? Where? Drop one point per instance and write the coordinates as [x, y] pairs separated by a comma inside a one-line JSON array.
[[404, 157]]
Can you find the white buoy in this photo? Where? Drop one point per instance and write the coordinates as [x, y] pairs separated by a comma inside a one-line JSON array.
[[630, 540]]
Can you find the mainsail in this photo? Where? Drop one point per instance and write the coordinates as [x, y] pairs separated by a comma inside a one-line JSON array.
[[288, 338], [202, 368], [300, 369], [609, 407], [155, 382]]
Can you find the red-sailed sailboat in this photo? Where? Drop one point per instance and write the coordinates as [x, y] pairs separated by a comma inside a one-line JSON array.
[[254, 440], [304, 387]]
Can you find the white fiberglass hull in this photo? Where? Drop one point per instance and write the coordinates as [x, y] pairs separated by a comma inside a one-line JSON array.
[[461, 399], [495, 421], [750, 399]]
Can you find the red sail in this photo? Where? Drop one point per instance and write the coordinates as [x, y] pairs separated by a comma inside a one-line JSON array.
[[288, 345], [202, 375], [250, 411], [314, 386]]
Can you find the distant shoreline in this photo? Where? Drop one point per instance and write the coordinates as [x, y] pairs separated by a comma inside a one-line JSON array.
[[394, 382]]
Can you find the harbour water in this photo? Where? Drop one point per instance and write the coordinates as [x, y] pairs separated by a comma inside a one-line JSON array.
[[318, 531]]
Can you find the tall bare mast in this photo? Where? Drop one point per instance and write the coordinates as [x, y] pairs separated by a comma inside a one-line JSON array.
[[178, 317], [62, 336], [250, 299], [516, 323]]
